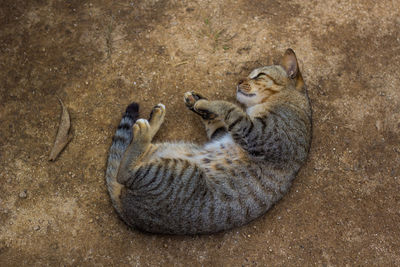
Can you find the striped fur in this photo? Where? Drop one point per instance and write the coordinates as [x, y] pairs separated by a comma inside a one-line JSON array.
[[121, 140], [246, 167]]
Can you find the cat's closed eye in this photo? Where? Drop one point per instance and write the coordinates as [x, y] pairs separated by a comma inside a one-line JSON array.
[[259, 76]]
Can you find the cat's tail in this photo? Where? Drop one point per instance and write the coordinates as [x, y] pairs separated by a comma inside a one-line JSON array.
[[121, 140]]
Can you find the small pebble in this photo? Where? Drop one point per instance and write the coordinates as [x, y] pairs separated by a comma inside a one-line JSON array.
[[36, 228], [23, 194], [378, 125]]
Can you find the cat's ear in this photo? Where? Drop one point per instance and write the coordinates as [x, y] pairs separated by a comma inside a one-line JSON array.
[[291, 66], [289, 63]]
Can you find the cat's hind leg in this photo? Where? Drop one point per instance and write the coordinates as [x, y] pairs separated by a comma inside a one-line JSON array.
[[215, 128], [143, 133], [156, 119]]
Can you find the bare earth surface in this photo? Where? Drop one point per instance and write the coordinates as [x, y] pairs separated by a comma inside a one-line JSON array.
[[344, 206]]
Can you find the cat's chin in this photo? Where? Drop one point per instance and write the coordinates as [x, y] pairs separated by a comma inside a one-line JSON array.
[[245, 100]]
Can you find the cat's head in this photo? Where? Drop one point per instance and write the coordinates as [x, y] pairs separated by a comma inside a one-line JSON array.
[[264, 82]]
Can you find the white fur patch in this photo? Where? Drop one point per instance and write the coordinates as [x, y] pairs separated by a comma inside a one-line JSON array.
[[247, 101], [257, 110], [226, 140], [181, 150]]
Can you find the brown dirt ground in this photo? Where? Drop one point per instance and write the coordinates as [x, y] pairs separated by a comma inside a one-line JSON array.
[[98, 56]]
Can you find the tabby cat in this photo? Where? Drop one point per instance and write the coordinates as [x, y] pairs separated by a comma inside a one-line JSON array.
[[246, 167]]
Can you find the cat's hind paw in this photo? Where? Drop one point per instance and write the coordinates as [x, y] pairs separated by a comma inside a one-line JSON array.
[[157, 116], [141, 130], [157, 113]]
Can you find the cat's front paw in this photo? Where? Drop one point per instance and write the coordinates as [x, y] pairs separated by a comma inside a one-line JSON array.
[[202, 107], [191, 98]]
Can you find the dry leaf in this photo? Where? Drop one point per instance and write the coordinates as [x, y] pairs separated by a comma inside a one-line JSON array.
[[62, 138]]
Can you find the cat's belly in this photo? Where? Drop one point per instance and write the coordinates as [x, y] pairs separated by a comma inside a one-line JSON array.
[[225, 141], [211, 152]]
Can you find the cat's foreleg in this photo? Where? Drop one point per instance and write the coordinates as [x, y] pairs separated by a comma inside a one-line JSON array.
[[143, 133], [236, 121], [215, 128], [190, 98]]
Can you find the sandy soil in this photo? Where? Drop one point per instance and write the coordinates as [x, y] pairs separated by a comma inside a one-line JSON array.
[[98, 56]]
